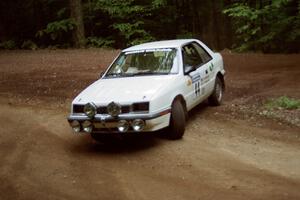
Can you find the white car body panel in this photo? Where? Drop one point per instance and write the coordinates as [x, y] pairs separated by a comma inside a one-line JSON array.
[[104, 91]]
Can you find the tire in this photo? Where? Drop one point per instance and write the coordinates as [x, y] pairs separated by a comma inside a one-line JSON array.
[[215, 98], [177, 121]]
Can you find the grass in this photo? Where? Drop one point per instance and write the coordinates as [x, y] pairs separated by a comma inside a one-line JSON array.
[[283, 102]]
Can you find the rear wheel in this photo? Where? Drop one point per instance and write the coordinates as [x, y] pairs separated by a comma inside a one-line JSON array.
[[215, 98], [177, 121]]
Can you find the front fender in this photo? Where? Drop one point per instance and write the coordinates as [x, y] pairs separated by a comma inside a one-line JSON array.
[[163, 99]]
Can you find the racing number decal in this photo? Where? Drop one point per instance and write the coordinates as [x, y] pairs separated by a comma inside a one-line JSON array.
[[196, 80], [197, 88]]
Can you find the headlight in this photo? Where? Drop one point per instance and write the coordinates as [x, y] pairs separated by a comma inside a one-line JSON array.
[[75, 126], [138, 124], [123, 126], [90, 110], [87, 126], [113, 109]]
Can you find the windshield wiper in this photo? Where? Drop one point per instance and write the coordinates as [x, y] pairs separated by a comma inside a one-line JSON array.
[[112, 75], [149, 73], [117, 75]]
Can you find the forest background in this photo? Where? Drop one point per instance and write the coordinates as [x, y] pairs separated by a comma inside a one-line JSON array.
[[269, 26]]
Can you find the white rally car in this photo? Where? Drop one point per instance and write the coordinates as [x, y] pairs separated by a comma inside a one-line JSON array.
[[149, 87]]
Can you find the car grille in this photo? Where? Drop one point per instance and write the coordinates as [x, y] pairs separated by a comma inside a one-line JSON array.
[[136, 107], [140, 107], [78, 108]]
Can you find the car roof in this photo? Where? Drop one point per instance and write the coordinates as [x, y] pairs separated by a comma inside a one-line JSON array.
[[160, 44]]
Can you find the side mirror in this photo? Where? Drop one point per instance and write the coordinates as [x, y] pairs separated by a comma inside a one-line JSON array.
[[188, 69]]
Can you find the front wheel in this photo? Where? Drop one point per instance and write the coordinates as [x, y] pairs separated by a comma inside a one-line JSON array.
[[177, 121], [216, 97]]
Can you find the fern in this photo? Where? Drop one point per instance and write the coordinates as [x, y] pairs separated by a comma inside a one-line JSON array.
[[57, 28]]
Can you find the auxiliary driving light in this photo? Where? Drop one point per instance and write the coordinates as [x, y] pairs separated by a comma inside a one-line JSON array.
[[123, 126], [75, 126], [87, 126], [90, 110], [114, 109], [138, 124]]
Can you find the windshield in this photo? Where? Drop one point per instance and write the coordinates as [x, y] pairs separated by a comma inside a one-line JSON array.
[[145, 62]]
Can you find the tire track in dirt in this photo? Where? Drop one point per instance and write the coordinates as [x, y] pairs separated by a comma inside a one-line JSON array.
[[49, 162]]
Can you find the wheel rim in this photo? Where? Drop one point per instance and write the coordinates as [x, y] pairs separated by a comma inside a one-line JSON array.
[[219, 91]]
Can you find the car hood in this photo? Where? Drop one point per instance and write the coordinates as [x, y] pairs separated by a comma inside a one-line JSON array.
[[123, 90]]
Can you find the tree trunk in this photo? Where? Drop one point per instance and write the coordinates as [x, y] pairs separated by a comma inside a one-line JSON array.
[[76, 15]]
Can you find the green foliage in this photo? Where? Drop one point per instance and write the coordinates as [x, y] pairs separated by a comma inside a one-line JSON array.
[[268, 26], [9, 44], [57, 28], [120, 8], [28, 44], [185, 35], [61, 13], [283, 102], [99, 42], [273, 27], [159, 3], [128, 18], [133, 33]]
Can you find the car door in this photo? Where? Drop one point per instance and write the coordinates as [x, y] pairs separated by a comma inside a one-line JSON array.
[[207, 69], [197, 69]]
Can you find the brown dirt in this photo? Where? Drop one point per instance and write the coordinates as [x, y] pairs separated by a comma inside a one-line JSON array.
[[235, 151]]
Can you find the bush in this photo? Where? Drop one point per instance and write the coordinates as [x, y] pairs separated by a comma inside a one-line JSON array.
[[9, 44], [28, 44], [56, 29], [283, 102], [99, 42]]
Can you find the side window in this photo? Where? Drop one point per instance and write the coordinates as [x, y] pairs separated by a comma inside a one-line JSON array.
[[191, 56], [203, 54]]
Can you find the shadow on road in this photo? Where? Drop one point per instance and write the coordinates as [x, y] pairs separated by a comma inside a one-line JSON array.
[[110, 144], [198, 110]]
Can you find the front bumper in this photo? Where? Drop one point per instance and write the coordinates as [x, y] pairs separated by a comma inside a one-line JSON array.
[[104, 123]]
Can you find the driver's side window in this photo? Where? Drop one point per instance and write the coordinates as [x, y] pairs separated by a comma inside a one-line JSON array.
[[191, 57]]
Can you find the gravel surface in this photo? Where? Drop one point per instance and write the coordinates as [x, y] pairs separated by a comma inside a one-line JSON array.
[[240, 150]]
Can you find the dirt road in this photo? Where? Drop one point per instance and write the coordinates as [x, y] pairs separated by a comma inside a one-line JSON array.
[[228, 152]]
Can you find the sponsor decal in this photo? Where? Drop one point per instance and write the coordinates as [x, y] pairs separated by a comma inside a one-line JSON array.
[[156, 51], [211, 67], [196, 81], [205, 79]]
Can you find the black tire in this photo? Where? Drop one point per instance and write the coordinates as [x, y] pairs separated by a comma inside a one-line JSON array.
[[177, 121], [215, 99]]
